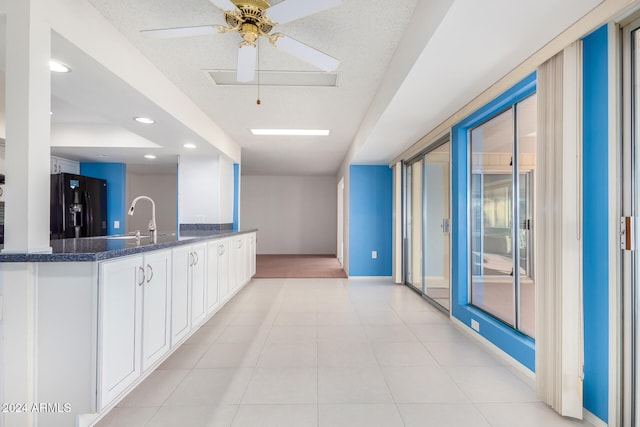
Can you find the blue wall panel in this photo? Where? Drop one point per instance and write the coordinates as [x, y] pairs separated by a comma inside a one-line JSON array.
[[595, 220], [115, 174], [370, 220], [518, 346]]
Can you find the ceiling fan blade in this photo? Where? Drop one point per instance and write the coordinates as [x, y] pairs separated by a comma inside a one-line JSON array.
[[223, 4], [167, 33], [246, 63], [307, 53], [290, 10]]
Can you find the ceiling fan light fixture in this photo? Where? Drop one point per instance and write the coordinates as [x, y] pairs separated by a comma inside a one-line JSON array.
[[290, 132]]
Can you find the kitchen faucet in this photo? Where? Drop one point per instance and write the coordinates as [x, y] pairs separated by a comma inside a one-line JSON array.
[[152, 222]]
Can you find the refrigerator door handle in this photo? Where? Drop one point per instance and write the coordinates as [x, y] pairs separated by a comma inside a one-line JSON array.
[[88, 213]]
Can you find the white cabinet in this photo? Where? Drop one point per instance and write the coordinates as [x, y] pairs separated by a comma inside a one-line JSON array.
[[223, 268], [188, 289], [156, 330], [217, 283], [133, 325], [60, 165], [119, 326], [199, 285]]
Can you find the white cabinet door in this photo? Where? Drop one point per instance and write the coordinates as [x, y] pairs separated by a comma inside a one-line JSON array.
[[223, 268], [235, 263], [119, 331], [198, 283], [180, 293], [213, 294], [156, 331]]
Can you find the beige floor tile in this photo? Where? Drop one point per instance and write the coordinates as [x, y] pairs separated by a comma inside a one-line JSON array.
[[345, 353], [127, 417], [422, 384], [402, 354], [155, 389], [276, 416], [442, 414], [289, 355], [359, 415], [486, 384], [355, 384], [194, 416], [213, 387], [282, 385], [230, 355], [525, 415]]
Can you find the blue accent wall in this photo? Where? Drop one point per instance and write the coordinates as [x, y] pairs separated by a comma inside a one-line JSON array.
[[517, 345], [370, 220], [236, 195], [116, 176], [595, 219]]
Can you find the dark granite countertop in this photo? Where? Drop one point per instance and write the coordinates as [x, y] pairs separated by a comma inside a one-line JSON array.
[[107, 247]]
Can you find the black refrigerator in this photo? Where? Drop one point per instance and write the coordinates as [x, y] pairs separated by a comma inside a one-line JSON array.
[[78, 206]]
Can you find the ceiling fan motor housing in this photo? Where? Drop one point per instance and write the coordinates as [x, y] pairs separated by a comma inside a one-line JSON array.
[[249, 19]]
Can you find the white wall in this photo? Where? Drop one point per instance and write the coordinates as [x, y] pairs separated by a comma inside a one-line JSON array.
[[293, 214], [205, 190], [162, 189]]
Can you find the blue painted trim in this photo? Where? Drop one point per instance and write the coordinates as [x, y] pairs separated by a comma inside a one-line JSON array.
[[370, 220], [236, 195], [116, 176], [595, 254], [517, 345]]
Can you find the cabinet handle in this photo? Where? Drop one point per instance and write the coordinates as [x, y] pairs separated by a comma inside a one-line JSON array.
[[221, 250], [191, 259], [141, 271], [150, 270], [195, 254]]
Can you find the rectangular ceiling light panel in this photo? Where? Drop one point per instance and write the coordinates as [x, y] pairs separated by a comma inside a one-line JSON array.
[[290, 132]]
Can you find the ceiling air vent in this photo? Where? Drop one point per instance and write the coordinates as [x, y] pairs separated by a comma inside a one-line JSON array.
[[276, 78]]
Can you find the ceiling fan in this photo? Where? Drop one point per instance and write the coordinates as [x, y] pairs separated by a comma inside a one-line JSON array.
[[255, 18]]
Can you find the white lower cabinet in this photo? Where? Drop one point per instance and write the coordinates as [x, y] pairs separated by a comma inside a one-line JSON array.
[[156, 292], [188, 290], [223, 269], [119, 326], [133, 325], [149, 303]]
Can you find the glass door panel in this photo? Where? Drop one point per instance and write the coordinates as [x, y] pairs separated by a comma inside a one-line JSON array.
[[492, 284], [436, 283], [415, 228], [527, 118]]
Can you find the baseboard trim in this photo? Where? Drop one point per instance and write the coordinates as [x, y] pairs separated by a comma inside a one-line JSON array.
[[593, 419]]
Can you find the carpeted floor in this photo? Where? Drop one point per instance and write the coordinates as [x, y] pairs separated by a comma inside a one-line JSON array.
[[298, 266]]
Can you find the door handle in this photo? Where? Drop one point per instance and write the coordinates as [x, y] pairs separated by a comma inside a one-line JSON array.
[[150, 273], [141, 274]]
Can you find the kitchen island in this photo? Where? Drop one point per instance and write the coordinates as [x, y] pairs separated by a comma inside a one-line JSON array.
[[107, 311]]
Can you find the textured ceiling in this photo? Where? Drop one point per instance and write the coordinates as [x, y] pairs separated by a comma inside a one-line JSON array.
[[405, 66], [362, 34]]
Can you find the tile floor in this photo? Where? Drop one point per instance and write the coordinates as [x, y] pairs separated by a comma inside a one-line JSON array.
[[331, 353]]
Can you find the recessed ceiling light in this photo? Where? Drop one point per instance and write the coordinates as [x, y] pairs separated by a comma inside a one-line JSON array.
[[189, 145], [149, 156], [58, 67], [291, 132], [144, 120]]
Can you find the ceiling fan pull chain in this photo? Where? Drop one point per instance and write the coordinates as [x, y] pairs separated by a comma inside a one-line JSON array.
[[258, 70]]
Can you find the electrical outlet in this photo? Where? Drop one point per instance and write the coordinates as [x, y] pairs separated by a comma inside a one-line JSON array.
[[199, 219], [374, 254], [475, 325], [116, 224]]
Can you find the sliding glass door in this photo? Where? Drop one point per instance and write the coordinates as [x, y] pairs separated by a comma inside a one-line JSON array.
[[426, 241], [502, 279]]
